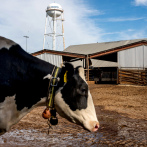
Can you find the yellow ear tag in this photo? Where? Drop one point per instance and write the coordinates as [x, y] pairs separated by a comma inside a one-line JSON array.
[[65, 77]]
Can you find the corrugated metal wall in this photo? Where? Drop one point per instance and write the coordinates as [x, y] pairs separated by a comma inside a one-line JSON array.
[[134, 57], [53, 59], [145, 56]]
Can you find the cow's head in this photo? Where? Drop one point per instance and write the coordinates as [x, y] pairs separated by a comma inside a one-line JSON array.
[[74, 102]]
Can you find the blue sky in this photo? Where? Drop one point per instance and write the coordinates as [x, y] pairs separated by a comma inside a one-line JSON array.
[[125, 19], [85, 21]]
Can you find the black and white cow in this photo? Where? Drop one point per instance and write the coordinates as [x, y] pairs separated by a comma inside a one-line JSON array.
[[24, 84]]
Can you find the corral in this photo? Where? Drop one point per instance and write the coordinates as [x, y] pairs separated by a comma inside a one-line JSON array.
[[122, 113]]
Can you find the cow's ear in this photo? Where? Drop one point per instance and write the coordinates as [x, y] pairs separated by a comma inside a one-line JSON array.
[[68, 71]]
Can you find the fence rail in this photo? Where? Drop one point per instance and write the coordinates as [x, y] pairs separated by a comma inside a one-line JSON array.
[[132, 76]]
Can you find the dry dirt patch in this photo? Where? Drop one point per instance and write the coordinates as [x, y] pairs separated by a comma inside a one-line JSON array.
[[130, 100]]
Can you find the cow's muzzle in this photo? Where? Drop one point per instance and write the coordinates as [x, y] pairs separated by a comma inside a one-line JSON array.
[[92, 126]]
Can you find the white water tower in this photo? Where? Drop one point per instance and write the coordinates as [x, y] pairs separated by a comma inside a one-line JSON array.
[[54, 13]]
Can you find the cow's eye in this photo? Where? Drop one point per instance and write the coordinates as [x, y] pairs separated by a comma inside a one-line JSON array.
[[83, 91]]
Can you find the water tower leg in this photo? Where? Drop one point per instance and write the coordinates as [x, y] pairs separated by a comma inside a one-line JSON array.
[[62, 18], [54, 31], [44, 31]]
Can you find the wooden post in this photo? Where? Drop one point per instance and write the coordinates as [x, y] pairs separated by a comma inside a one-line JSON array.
[[145, 77], [87, 68], [118, 76]]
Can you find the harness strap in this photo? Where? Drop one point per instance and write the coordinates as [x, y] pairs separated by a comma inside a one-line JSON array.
[[48, 92], [51, 96]]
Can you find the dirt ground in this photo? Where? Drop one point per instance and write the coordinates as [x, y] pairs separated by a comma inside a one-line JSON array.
[[121, 111], [130, 100]]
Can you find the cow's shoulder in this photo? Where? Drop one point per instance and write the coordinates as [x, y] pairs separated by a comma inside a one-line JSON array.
[[6, 43]]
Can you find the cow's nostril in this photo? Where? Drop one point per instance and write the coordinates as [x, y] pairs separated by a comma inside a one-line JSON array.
[[96, 126]]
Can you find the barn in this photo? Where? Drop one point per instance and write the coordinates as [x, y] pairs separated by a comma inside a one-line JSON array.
[[121, 62]]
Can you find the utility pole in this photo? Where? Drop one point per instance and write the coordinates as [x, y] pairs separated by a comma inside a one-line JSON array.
[[26, 41]]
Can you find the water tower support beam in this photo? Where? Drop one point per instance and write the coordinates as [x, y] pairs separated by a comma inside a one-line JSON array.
[[44, 31], [54, 31], [62, 18]]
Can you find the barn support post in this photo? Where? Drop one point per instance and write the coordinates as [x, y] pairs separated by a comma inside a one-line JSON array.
[[87, 67]]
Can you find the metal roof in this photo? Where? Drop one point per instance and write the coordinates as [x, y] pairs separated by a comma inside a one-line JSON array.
[[96, 63], [99, 47], [68, 54]]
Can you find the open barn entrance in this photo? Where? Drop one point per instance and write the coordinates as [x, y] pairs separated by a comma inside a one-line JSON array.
[[103, 75]]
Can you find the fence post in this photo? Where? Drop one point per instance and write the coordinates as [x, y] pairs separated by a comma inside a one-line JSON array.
[[117, 75], [146, 75], [120, 74]]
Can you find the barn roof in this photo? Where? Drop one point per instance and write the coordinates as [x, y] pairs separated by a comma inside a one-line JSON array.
[[101, 47], [95, 49]]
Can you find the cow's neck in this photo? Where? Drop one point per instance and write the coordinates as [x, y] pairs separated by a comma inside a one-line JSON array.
[[26, 82], [35, 87]]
